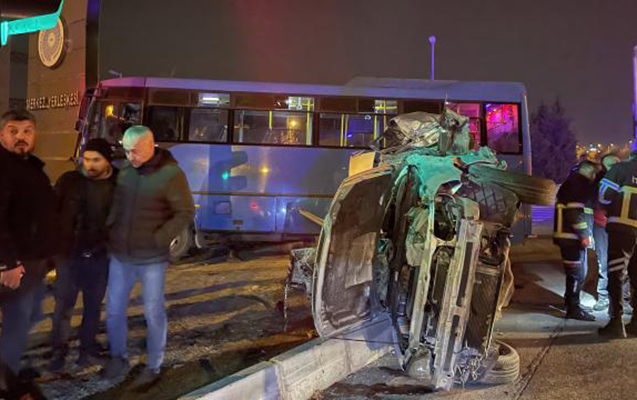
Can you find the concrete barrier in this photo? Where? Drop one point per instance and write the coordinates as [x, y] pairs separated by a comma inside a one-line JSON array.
[[313, 366]]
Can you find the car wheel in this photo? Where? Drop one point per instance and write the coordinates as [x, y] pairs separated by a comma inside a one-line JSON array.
[[180, 245], [529, 189], [505, 369]]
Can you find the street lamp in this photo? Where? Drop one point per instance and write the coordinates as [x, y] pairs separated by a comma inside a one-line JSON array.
[[432, 41], [635, 91]]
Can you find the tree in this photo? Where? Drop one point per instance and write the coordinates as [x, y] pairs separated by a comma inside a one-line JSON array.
[[553, 142]]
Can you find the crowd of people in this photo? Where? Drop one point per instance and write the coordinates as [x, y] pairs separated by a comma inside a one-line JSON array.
[[103, 230], [596, 208]]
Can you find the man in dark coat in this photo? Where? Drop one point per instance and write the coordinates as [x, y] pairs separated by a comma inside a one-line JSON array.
[[28, 232], [151, 206], [85, 197]]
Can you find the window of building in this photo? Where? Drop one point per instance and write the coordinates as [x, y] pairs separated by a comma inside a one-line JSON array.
[[208, 125], [273, 127], [503, 128], [350, 130]]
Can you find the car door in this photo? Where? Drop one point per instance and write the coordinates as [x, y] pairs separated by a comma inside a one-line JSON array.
[[343, 287]]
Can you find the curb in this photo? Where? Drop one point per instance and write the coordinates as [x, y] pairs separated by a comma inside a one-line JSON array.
[[299, 373]]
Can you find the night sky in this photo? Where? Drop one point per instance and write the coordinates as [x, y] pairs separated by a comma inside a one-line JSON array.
[[579, 51]]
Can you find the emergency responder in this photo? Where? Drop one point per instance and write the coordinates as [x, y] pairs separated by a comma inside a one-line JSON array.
[[618, 193], [573, 231]]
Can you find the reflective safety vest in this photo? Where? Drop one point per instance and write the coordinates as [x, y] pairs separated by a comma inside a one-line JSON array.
[[573, 210], [572, 222], [618, 194]]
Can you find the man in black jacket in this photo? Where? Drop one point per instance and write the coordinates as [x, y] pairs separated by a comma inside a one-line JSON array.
[[573, 233], [85, 197], [28, 232]]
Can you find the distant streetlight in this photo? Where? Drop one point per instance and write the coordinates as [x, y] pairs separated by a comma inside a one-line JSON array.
[[432, 41], [635, 91]]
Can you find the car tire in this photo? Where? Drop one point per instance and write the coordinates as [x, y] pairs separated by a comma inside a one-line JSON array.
[[529, 189], [505, 369], [180, 246]]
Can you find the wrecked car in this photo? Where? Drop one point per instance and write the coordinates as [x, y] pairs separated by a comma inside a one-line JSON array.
[[420, 230]]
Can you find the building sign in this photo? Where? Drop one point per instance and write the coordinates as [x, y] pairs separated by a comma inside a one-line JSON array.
[[28, 25], [63, 100]]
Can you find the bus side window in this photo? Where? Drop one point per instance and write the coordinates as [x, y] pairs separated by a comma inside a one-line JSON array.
[[164, 122], [503, 128], [471, 110], [350, 130], [273, 127], [110, 127], [208, 125]]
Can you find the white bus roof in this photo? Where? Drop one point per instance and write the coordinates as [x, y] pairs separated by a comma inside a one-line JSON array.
[[361, 86]]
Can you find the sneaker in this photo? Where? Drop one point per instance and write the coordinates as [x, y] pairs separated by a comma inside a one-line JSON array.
[[578, 313], [146, 378], [628, 309], [613, 330], [115, 368], [601, 305]]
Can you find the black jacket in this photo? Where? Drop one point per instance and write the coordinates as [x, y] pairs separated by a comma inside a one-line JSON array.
[[84, 205], [151, 206], [574, 210], [618, 193], [28, 220]]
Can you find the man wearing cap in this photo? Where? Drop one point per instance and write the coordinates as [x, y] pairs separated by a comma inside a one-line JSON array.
[[85, 197]]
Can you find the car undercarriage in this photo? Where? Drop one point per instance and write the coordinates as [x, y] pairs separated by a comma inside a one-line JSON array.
[[423, 234]]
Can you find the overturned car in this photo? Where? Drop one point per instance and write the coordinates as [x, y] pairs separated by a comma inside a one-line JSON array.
[[421, 232]]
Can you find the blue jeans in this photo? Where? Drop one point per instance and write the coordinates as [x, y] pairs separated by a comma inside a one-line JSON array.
[[20, 311], [601, 248], [121, 279]]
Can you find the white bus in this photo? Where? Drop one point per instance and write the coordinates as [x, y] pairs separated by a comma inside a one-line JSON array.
[[257, 153]]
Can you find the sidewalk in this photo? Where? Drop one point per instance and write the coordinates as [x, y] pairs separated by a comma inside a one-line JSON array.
[[560, 359], [222, 318]]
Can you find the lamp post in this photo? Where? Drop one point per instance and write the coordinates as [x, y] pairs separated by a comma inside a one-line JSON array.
[[635, 91], [432, 41]]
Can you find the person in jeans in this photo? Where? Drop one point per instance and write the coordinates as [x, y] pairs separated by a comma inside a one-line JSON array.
[[601, 238], [84, 197], [151, 206], [28, 233]]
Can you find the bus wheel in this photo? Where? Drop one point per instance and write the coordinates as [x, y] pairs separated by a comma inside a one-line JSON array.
[[529, 189], [180, 245]]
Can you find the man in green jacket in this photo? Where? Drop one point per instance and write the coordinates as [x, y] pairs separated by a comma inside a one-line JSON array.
[[152, 204]]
